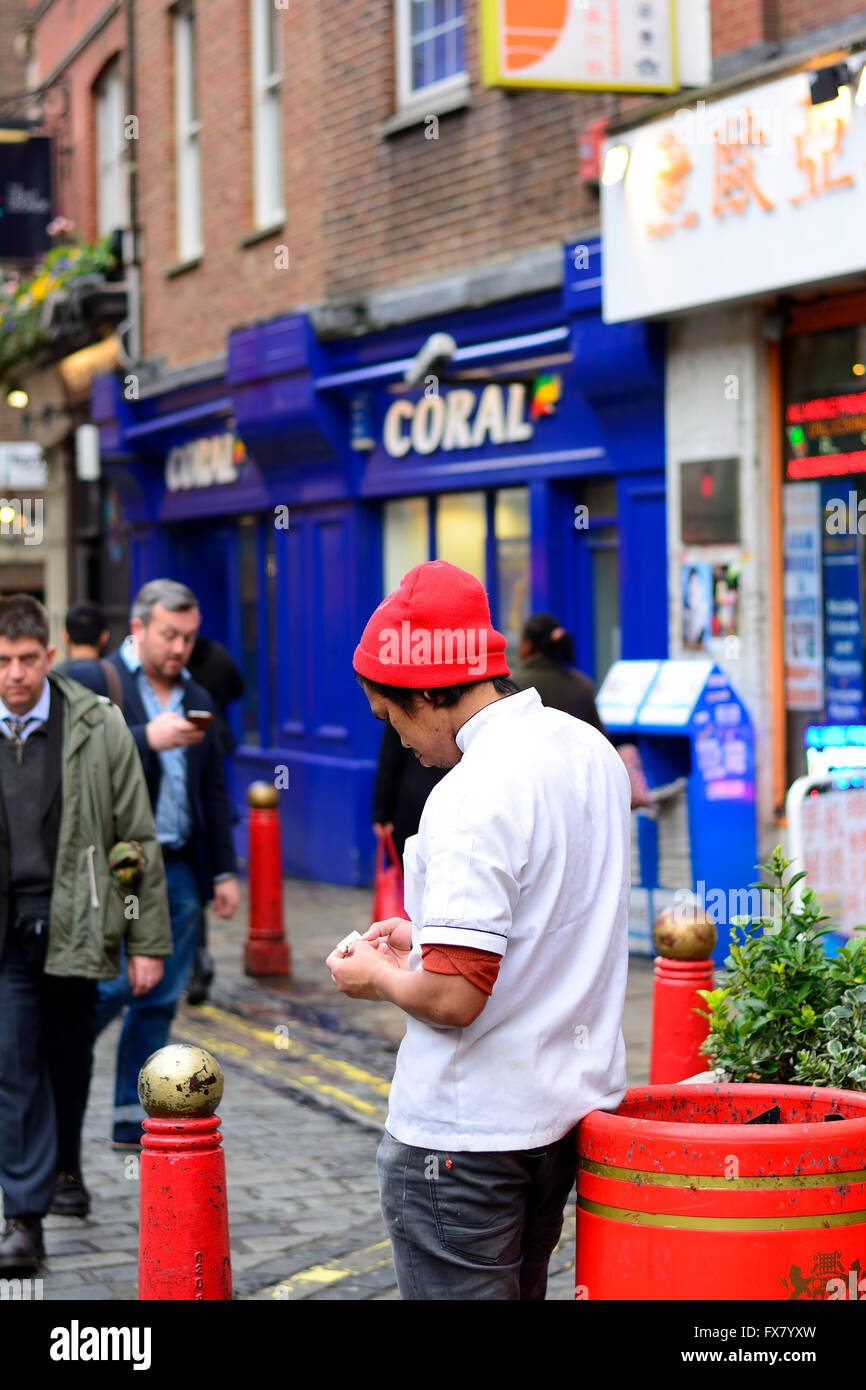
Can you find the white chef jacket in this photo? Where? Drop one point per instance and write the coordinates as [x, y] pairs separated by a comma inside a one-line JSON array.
[[523, 849]]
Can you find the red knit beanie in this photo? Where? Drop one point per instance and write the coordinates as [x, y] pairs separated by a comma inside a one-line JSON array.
[[434, 630]]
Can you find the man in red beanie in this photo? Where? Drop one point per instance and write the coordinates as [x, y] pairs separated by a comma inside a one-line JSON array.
[[512, 969]]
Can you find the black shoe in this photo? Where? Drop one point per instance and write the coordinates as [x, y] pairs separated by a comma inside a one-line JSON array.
[[200, 976], [71, 1197], [21, 1248]]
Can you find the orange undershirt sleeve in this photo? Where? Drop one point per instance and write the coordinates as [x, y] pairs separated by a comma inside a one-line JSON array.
[[480, 968]]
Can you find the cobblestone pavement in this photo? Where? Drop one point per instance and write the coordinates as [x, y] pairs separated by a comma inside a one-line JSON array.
[[306, 1079]]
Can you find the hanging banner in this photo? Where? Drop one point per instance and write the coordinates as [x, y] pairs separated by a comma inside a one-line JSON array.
[[804, 616]]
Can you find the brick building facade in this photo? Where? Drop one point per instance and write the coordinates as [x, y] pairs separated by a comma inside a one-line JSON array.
[[274, 349]]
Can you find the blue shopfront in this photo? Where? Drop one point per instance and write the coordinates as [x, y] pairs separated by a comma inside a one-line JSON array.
[[295, 491]]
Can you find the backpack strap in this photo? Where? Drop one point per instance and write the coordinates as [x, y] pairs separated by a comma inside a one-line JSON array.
[[113, 683]]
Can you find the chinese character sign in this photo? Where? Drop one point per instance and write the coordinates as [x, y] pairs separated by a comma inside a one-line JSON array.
[[738, 197], [616, 45]]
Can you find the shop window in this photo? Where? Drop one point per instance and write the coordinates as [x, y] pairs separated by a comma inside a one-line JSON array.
[[461, 531], [430, 48], [406, 538], [824, 520], [604, 548], [512, 532], [599, 498], [487, 534]]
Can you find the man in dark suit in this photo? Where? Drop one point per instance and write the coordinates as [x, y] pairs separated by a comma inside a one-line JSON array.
[[183, 768]]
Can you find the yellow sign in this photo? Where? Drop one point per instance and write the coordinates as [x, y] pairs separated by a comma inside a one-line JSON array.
[[611, 45]]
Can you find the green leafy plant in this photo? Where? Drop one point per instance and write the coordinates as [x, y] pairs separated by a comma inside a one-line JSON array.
[[785, 1011], [23, 320]]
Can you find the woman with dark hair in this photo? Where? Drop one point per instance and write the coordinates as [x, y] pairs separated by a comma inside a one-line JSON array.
[[546, 654]]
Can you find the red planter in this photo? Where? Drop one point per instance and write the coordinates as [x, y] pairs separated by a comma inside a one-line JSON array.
[[679, 1198]]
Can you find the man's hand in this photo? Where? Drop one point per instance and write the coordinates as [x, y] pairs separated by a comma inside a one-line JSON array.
[[357, 973], [171, 730], [392, 938], [144, 972], [226, 896]]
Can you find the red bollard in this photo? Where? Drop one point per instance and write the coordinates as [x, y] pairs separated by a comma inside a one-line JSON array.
[[266, 951], [677, 1031], [183, 1229]]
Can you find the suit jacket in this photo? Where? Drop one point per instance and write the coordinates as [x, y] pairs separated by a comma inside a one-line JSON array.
[[50, 804], [210, 807]]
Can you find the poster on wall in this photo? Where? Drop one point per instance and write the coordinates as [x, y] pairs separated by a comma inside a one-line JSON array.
[[843, 624], [697, 593], [834, 834], [725, 618], [804, 615]]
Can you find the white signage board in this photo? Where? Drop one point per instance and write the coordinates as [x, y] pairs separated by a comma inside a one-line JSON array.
[[623, 688], [674, 693], [617, 45], [757, 192], [804, 612], [834, 833], [23, 466]]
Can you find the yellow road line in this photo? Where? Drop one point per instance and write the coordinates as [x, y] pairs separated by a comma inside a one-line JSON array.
[[321, 1059], [359, 1262], [348, 1266], [276, 1071]]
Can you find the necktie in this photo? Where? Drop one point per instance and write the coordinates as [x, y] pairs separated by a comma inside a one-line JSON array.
[[16, 728]]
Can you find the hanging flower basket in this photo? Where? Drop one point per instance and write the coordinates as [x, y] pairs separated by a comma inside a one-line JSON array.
[[58, 304]]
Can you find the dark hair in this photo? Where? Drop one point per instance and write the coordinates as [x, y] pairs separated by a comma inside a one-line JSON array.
[[441, 698], [84, 623], [538, 630], [22, 615]]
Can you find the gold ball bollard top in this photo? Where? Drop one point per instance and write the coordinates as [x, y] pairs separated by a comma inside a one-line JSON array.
[[262, 795], [684, 937], [180, 1081]]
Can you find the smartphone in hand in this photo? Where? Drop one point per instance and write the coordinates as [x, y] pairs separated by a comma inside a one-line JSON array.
[[199, 717]]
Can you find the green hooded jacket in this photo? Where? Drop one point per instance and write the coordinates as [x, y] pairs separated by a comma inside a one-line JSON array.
[[104, 799]]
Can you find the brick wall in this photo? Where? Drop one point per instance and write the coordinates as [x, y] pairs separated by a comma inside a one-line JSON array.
[[741, 23], [363, 210]]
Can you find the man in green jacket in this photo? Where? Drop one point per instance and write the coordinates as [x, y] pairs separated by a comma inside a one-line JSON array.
[[71, 789]]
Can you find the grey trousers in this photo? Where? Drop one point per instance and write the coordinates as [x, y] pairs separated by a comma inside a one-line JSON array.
[[474, 1225]]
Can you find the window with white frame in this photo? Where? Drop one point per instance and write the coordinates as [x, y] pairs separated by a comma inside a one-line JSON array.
[[187, 133], [112, 208], [430, 49], [267, 146]]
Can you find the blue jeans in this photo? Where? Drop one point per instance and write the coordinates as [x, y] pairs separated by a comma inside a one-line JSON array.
[[474, 1225], [149, 1016]]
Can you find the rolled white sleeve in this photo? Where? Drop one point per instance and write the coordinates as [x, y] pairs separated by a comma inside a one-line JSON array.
[[471, 881]]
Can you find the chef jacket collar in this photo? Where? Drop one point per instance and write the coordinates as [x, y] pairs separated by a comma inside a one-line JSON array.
[[517, 704]]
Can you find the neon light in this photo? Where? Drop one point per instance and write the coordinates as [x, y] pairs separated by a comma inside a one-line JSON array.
[[827, 465], [834, 735], [826, 407]]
